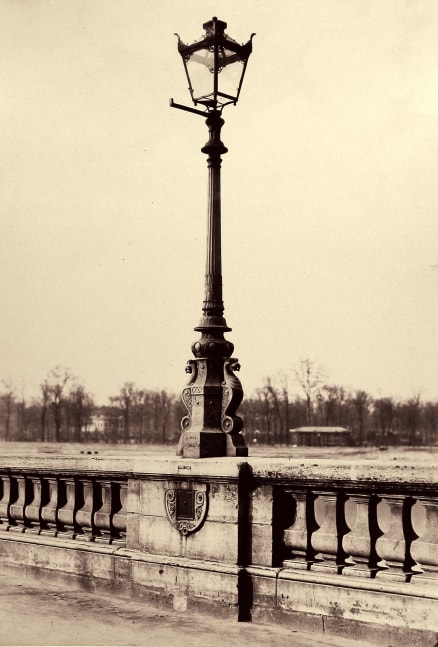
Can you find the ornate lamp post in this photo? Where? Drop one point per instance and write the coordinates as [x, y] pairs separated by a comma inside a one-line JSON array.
[[215, 67]]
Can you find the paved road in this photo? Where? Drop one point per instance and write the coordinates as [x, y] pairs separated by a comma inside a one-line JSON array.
[[50, 615]]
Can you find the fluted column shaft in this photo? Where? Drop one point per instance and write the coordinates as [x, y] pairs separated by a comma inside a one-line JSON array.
[[213, 307]]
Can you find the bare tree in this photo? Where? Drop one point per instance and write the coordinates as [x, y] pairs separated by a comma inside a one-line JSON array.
[[58, 378], [80, 405], [142, 409], [273, 398], [361, 401], [8, 397], [413, 418], [264, 405], [385, 410], [23, 414], [309, 377], [163, 408], [329, 403], [45, 401], [283, 378], [126, 400], [332, 405]]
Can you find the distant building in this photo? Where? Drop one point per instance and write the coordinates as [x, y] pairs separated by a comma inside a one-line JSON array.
[[320, 436], [95, 427], [103, 427]]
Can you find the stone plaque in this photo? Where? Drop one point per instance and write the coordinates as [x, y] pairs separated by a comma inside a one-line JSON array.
[[186, 508], [185, 505]]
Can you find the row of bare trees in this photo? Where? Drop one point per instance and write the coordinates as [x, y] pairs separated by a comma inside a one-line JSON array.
[[65, 411], [59, 413], [141, 415], [304, 397]]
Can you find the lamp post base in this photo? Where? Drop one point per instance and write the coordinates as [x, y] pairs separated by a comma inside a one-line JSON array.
[[202, 444], [211, 444], [211, 427]]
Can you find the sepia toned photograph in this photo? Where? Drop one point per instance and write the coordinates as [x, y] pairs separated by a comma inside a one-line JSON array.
[[219, 333]]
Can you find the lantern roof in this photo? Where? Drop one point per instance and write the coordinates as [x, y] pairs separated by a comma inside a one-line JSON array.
[[215, 36]]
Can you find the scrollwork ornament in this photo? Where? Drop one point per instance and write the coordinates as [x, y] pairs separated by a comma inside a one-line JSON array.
[[170, 502], [186, 526], [200, 504], [232, 395]]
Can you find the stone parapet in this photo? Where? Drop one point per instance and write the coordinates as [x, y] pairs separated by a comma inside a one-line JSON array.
[[296, 541]]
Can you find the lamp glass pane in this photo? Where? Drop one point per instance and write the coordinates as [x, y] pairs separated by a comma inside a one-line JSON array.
[[230, 75], [200, 70]]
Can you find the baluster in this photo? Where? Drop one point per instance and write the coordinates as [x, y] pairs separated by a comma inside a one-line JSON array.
[[32, 512], [283, 516], [7, 496], [66, 514], [411, 566], [16, 510], [49, 512], [359, 543], [102, 516], [391, 545], [119, 516], [424, 550], [324, 540], [85, 514], [297, 537]]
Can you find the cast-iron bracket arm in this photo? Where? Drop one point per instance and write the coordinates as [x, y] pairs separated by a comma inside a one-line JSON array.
[[187, 109]]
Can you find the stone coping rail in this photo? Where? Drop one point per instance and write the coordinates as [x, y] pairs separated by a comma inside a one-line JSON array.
[[359, 471]]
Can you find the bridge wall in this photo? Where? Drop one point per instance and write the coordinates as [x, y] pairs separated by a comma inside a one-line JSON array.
[[349, 549]]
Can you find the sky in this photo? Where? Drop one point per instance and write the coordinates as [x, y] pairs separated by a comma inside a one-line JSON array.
[[329, 193]]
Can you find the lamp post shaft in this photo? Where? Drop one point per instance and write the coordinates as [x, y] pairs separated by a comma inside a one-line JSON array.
[[213, 393], [213, 307]]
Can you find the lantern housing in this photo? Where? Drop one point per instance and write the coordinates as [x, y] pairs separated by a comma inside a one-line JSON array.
[[215, 66]]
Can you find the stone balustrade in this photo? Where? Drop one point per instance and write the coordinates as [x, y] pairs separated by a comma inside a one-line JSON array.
[[82, 507], [351, 543], [366, 535], [372, 521]]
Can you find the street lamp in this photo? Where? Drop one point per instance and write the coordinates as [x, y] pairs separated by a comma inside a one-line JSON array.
[[215, 67]]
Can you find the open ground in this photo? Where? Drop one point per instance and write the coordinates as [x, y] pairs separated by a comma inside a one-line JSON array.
[[410, 455]]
